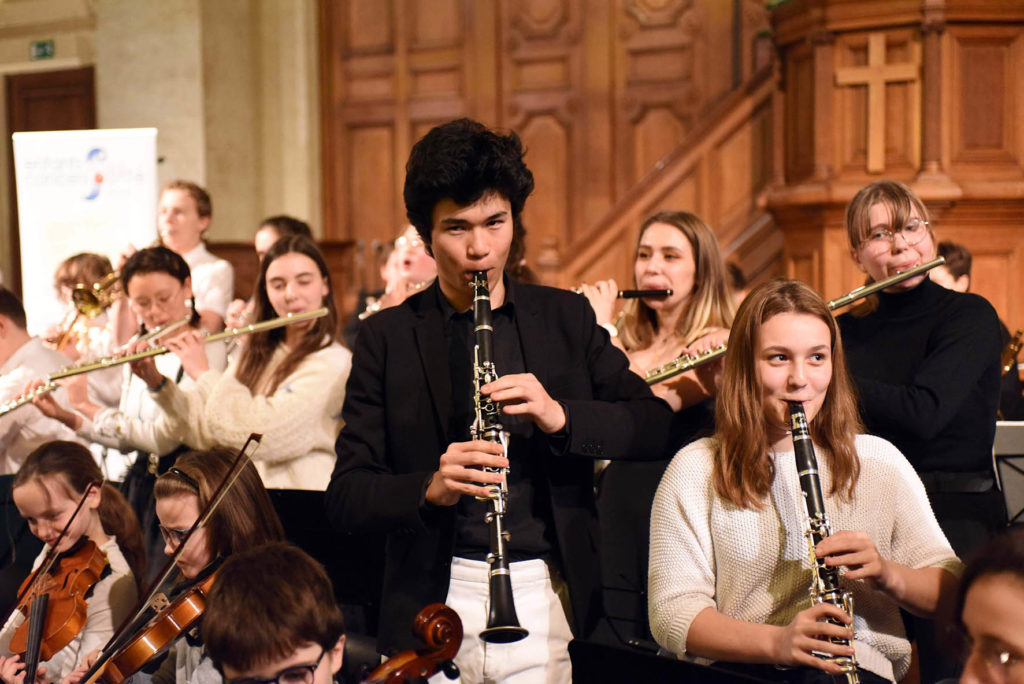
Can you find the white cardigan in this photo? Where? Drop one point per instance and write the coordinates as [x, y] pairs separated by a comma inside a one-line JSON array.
[[754, 565], [299, 422]]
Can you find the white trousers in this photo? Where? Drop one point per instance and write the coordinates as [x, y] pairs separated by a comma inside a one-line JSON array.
[[540, 658]]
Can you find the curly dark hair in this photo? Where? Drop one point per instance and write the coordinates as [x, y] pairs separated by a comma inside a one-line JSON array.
[[463, 160]]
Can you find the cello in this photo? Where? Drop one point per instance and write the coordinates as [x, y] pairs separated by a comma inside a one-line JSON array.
[[440, 628]]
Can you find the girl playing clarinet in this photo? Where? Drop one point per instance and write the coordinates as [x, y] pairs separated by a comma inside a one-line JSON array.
[[730, 562]]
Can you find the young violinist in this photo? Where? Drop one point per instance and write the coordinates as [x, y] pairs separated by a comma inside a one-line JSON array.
[[159, 287], [47, 489], [294, 632], [730, 563], [286, 383], [244, 520]]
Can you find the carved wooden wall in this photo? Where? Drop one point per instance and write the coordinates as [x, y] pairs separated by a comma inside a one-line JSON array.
[[601, 91], [931, 94]]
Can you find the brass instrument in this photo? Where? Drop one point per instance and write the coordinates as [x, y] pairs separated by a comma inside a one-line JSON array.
[[502, 621], [93, 300], [1010, 352], [824, 579], [88, 301], [684, 363], [117, 360]]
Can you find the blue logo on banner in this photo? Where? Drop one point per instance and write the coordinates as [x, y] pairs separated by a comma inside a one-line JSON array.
[[94, 161]]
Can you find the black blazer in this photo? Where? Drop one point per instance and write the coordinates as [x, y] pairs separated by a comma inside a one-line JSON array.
[[395, 411]]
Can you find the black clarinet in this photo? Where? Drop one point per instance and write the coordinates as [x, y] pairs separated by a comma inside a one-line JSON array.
[[502, 621], [824, 579]]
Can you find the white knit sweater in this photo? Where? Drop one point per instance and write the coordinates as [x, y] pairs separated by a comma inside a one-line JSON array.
[[754, 565], [299, 422]]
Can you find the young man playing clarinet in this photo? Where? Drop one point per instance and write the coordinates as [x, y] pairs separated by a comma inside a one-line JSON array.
[[406, 464]]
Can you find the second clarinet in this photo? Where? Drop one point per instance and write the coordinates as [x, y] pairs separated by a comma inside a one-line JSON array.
[[502, 621], [824, 579]]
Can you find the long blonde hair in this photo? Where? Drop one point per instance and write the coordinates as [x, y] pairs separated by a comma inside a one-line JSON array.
[[743, 471], [710, 304]]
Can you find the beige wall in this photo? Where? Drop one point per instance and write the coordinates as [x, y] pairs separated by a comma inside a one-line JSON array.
[[231, 85]]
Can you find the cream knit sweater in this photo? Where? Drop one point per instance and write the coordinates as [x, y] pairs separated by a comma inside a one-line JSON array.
[[299, 422], [754, 565]]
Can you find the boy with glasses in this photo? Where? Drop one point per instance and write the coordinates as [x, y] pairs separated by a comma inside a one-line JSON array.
[[272, 619]]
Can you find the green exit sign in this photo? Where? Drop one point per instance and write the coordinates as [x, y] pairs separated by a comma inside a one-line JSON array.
[[41, 49]]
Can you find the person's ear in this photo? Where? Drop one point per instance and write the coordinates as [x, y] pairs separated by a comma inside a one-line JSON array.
[[963, 283], [337, 655], [855, 255]]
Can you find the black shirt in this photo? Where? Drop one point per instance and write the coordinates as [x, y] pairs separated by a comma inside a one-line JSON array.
[[926, 366], [527, 510]]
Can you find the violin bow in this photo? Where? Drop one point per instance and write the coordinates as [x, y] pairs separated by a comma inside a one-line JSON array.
[[119, 638]]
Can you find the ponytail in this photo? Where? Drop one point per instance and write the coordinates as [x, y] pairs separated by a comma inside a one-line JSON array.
[[119, 519]]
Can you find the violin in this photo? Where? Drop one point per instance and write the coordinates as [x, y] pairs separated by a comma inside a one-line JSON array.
[[62, 588], [155, 638], [131, 648], [440, 628]]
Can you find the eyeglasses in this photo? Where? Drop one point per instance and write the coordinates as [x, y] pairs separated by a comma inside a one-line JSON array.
[[172, 537], [882, 239], [296, 674]]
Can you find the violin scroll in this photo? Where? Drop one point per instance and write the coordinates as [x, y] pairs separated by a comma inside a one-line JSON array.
[[440, 628]]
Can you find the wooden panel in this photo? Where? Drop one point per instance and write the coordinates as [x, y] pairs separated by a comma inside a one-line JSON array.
[[436, 23], [799, 100], [657, 133], [986, 79], [372, 182], [684, 195], [658, 56], [547, 211], [370, 25], [546, 83]]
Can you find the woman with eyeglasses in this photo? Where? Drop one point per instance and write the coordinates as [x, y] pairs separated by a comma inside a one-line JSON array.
[[245, 519], [141, 439], [925, 361], [989, 609]]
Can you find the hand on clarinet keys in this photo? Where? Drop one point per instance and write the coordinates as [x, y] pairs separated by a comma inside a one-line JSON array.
[[858, 553], [523, 395], [809, 633], [461, 472]]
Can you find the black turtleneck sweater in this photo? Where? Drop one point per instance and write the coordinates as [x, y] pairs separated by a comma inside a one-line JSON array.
[[926, 366]]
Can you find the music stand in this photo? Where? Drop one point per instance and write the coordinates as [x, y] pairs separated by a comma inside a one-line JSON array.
[[1008, 454]]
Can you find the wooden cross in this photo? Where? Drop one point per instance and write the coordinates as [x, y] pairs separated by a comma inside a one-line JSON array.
[[875, 76]]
